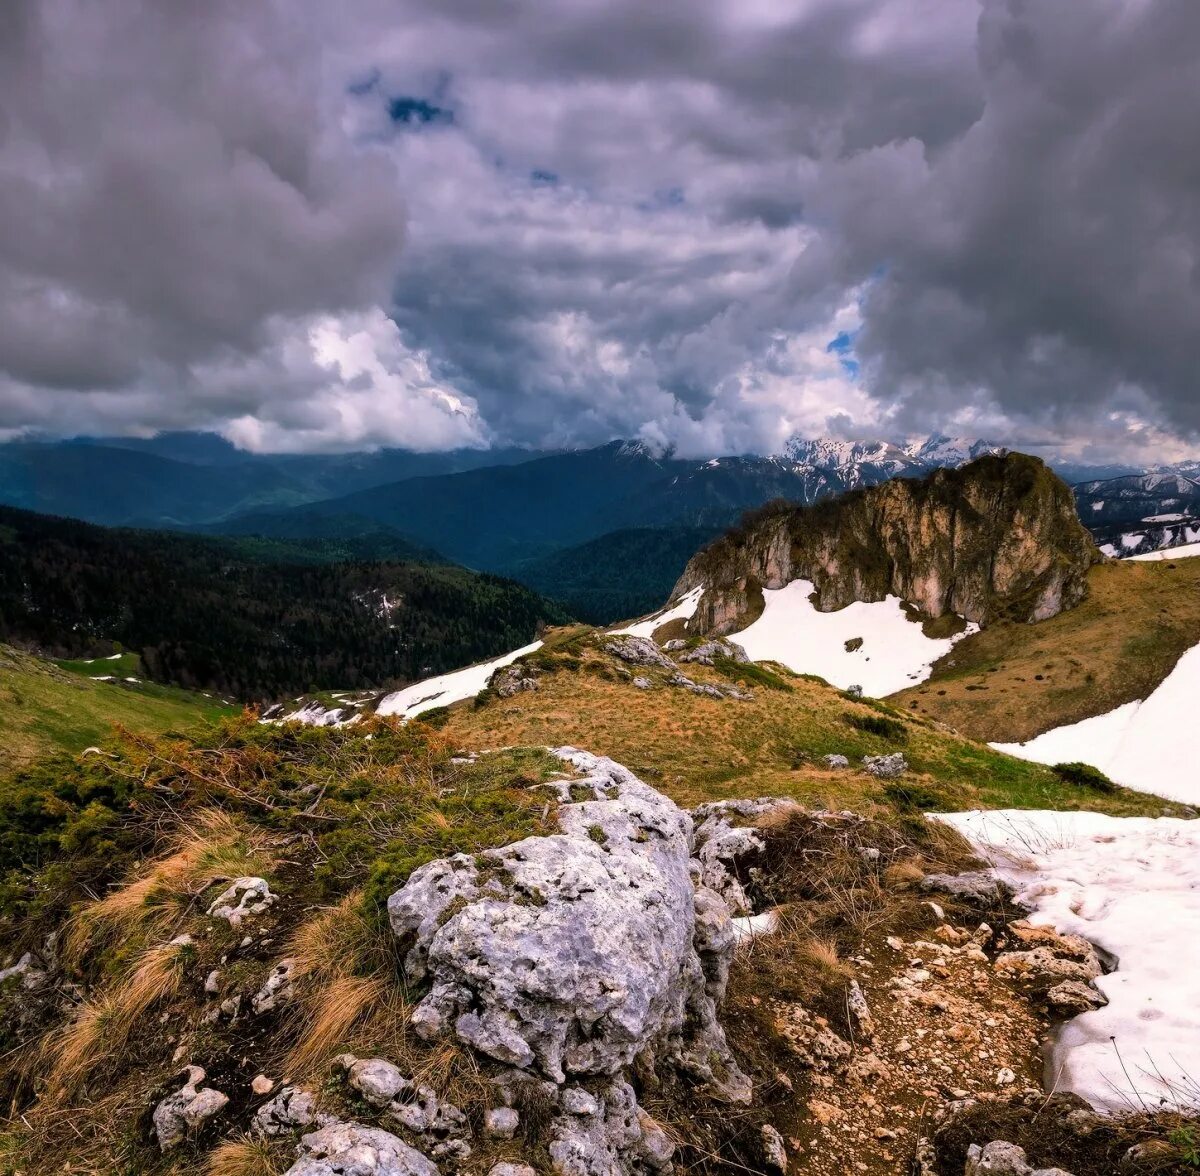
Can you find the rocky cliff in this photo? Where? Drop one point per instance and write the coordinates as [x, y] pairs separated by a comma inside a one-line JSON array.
[[999, 537]]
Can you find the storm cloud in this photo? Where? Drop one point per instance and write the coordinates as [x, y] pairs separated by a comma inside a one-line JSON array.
[[459, 222]]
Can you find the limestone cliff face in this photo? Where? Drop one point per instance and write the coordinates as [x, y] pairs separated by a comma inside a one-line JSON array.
[[996, 538]]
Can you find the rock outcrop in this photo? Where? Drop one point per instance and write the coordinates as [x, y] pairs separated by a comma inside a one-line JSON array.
[[998, 538], [565, 958]]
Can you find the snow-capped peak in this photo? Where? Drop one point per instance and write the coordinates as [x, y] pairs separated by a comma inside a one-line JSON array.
[[915, 456]]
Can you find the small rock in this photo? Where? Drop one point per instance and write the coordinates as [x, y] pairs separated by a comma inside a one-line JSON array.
[[377, 1080], [289, 1110], [353, 1150], [501, 1123], [860, 1011], [835, 761], [774, 1153], [277, 990], [1072, 997], [261, 1084], [245, 897], [212, 982], [511, 1170], [885, 767], [973, 886], [642, 684], [854, 691], [997, 1159], [1005, 1077], [514, 679], [638, 651], [186, 1110]]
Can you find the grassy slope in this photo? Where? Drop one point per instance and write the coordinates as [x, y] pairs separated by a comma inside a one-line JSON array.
[[699, 749], [46, 707], [1012, 682]]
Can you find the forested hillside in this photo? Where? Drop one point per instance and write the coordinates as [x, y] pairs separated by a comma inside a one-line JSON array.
[[250, 623]]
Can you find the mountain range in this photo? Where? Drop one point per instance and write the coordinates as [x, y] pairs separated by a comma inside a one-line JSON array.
[[565, 523]]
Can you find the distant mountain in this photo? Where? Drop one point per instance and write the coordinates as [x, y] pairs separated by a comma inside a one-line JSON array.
[[185, 479], [247, 620], [498, 518], [1137, 513]]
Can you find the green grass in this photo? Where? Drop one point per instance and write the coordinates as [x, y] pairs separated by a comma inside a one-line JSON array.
[[47, 707]]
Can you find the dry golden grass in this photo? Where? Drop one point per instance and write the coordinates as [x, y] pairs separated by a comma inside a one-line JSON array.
[[696, 748], [104, 1025], [1011, 682], [329, 1013], [242, 1157], [214, 846]]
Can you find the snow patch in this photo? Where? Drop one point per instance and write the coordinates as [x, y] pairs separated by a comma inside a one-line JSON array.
[[1145, 745], [685, 609], [448, 688], [1132, 886], [894, 653], [1184, 551]]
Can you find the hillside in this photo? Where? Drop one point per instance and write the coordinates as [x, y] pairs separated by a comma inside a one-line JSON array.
[[46, 708], [498, 518], [181, 479], [1011, 682], [250, 623], [621, 574]]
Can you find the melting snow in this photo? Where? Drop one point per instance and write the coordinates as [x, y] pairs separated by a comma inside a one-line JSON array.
[[1146, 745], [1132, 886], [447, 688], [1164, 518], [684, 610], [894, 653], [1185, 551]]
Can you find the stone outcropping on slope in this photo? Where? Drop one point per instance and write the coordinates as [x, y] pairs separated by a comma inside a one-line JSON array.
[[564, 958], [998, 538]]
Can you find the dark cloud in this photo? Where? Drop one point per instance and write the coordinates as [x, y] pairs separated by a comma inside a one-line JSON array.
[[620, 218]]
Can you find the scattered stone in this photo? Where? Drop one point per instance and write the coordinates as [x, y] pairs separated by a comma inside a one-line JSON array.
[[1040, 969], [245, 897], [514, 679], [835, 761], [291, 1109], [638, 651], [980, 886], [997, 1159], [261, 1084], [774, 1153], [1072, 997], [855, 691], [501, 1123], [1005, 1077], [675, 643], [511, 1170], [377, 1080], [27, 967], [642, 683], [186, 1109], [860, 1011], [885, 767], [711, 652], [354, 1150], [277, 990], [212, 982]]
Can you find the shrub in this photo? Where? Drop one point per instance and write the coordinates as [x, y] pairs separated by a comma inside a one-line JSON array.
[[885, 728], [1085, 776]]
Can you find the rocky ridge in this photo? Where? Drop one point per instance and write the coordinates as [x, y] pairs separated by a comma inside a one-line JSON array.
[[997, 538]]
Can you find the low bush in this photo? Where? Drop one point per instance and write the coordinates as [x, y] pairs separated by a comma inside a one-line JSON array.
[[1085, 776]]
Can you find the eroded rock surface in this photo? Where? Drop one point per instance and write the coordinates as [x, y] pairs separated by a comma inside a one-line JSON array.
[[186, 1110], [244, 897], [567, 957]]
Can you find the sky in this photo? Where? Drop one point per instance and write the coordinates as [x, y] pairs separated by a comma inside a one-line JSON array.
[[706, 224]]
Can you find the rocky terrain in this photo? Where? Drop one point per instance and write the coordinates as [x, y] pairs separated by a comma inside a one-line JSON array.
[[997, 538]]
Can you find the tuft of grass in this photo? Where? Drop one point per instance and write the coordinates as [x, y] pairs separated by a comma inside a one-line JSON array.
[[329, 1014], [892, 730], [243, 1157], [103, 1026]]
